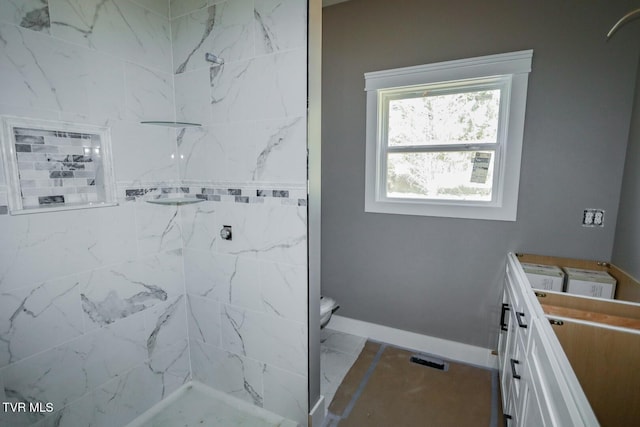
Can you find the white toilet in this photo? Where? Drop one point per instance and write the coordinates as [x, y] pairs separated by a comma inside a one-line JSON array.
[[327, 307]]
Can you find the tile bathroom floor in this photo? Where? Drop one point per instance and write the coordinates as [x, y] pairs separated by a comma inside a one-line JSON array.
[[338, 352]]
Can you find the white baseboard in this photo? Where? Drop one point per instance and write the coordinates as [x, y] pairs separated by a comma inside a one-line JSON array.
[[422, 343], [316, 415]]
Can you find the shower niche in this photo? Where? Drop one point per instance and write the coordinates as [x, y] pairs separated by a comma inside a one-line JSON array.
[[52, 166]]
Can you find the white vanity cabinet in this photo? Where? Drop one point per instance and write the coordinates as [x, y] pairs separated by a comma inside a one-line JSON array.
[[516, 330], [548, 397], [537, 382]]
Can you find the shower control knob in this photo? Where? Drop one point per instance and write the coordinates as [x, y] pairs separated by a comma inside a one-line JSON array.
[[226, 233]]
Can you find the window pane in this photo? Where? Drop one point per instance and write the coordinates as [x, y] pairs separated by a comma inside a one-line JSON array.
[[451, 175], [421, 118]]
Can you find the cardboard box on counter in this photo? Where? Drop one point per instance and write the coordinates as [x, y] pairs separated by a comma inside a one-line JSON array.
[[591, 283], [546, 277]]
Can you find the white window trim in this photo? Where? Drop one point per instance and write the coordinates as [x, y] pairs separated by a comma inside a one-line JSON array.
[[504, 207]]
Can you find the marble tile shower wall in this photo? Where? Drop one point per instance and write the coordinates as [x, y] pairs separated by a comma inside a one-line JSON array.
[[92, 303], [247, 298], [93, 311]]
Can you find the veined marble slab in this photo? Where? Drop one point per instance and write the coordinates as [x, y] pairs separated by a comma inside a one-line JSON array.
[[39, 318], [225, 29], [204, 320], [236, 375], [144, 154], [157, 228], [274, 233], [40, 72], [149, 93], [275, 341], [29, 14], [116, 292], [118, 27], [39, 247], [248, 283], [279, 25], [280, 79]]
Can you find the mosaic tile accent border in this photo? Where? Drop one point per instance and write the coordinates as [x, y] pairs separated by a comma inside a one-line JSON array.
[[289, 197], [57, 167]]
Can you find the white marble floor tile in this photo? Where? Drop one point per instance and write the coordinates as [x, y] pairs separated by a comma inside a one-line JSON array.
[[340, 341], [338, 352], [196, 405]]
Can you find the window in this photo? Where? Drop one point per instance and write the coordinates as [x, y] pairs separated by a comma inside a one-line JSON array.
[[445, 139]]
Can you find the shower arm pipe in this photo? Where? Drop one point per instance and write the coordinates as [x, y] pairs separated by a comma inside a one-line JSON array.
[[214, 59], [622, 21]]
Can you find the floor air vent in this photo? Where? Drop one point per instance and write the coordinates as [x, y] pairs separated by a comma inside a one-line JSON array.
[[430, 362]]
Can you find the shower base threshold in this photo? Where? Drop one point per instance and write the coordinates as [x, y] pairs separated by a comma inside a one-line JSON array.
[[197, 405]]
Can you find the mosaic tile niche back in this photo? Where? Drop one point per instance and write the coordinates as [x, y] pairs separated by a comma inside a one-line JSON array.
[[58, 168]]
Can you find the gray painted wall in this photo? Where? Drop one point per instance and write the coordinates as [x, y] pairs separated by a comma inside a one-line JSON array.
[[626, 249], [443, 277]]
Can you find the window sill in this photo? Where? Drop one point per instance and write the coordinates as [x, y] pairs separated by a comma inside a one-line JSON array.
[[448, 210]]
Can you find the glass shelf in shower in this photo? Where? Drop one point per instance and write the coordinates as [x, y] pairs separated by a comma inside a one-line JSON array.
[[172, 124], [175, 201]]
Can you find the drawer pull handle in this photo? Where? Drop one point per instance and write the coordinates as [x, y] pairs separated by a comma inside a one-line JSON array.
[[503, 325], [515, 375], [540, 294], [519, 317]]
